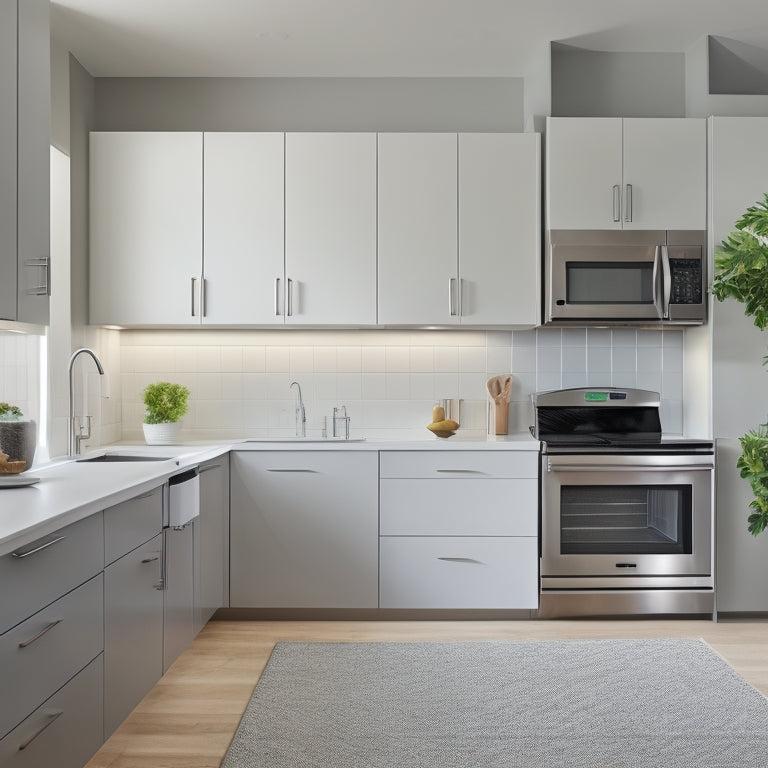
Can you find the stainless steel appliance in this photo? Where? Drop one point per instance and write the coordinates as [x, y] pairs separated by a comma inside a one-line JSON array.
[[626, 514], [637, 276]]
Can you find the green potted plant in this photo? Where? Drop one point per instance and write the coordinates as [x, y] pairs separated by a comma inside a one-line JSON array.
[[18, 436], [741, 272], [165, 404]]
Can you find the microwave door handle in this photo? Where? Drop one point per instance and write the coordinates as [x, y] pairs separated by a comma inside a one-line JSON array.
[[667, 280], [657, 289]]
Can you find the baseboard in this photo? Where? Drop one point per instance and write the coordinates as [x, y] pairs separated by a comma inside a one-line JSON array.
[[368, 614]]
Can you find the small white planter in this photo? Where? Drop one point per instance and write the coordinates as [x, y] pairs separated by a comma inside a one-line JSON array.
[[167, 433]]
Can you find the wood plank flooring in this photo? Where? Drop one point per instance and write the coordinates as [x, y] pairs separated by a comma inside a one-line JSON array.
[[188, 719]]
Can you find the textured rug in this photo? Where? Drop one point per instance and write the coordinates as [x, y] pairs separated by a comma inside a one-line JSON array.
[[560, 704]]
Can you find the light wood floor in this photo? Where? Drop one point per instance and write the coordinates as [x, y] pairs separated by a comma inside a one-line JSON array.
[[188, 719]]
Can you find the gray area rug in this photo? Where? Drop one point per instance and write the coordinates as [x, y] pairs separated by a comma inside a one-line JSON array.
[[558, 704]]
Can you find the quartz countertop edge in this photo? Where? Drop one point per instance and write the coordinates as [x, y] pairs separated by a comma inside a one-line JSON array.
[[70, 490]]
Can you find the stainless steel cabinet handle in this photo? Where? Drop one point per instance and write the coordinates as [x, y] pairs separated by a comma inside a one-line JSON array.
[[310, 471], [628, 204], [461, 471], [277, 296], [43, 631], [20, 555], [616, 202], [52, 718], [461, 297], [43, 263], [192, 280], [667, 273], [451, 297], [290, 297], [150, 559], [146, 495], [459, 559], [655, 280], [203, 286]]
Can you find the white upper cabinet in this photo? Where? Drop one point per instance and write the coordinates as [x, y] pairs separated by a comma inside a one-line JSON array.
[[499, 228], [459, 221], [418, 251], [146, 222], [626, 173], [330, 228], [243, 225]]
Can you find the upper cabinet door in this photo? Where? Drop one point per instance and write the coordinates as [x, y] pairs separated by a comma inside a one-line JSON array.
[[584, 173], [146, 192], [499, 228], [418, 262], [8, 264], [243, 233], [34, 148], [330, 228], [665, 173]]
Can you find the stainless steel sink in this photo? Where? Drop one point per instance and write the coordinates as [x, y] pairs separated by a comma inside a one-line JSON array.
[[110, 457]]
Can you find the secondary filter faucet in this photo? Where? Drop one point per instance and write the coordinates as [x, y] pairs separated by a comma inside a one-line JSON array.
[[301, 414], [75, 435]]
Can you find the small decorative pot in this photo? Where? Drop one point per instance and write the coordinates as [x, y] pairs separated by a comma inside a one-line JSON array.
[[167, 433], [19, 440]]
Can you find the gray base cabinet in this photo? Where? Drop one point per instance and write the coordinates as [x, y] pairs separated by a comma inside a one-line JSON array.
[[65, 731], [304, 529], [212, 541], [178, 593]]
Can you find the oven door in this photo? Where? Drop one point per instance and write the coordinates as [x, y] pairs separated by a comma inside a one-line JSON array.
[[618, 515]]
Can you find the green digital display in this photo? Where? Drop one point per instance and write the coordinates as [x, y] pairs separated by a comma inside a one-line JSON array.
[[595, 397]]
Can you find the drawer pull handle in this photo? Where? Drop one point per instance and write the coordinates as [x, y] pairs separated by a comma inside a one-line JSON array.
[[308, 471], [148, 494], [460, 560], [461, 471], [20, 555], [43, 631], [52, 718], [150, 559]]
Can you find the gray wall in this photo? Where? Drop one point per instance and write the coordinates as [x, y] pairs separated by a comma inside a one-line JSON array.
[[309, 104], [601, 84]]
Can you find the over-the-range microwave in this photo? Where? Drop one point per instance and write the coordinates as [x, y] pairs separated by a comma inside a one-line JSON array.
[[641, 277]]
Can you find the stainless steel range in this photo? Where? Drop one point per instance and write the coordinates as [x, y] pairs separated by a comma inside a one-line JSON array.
[[626, 514]]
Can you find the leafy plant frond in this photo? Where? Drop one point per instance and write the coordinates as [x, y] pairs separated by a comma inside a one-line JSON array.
[[165, 402]]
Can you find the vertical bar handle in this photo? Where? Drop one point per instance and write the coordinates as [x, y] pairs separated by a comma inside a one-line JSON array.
[[290, 297], [193, 280], [277, 296], [451, 297], [628, 204], [667, 276], [203, 286], [616, 202]]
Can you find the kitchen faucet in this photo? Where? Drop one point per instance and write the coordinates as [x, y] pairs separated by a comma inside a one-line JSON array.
[[74, 434], [301, 414]]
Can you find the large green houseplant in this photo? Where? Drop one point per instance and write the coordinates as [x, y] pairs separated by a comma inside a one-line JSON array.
[[165, 404], [741, 272]]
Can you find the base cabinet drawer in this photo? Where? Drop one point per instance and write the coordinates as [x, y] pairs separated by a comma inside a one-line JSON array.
[[415, 507], [130, 524], [65, 731], [459, 572], [45, 569], [39, 655]]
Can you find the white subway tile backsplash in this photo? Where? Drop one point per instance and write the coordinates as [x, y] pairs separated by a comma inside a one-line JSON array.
[[388, 380]]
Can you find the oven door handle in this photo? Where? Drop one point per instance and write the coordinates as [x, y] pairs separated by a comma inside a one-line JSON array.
[[552, 467]]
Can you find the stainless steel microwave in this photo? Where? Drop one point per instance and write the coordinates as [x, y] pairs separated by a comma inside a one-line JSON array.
[[638, 276]]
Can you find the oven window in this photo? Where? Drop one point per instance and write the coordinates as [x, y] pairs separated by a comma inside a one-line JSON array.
[[625, 519], [600, 282]]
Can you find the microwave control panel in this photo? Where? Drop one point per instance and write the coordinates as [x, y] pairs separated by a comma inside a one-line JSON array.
[[686, 281]]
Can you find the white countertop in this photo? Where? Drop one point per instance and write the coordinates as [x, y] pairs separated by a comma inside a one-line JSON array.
[[70, 490]]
